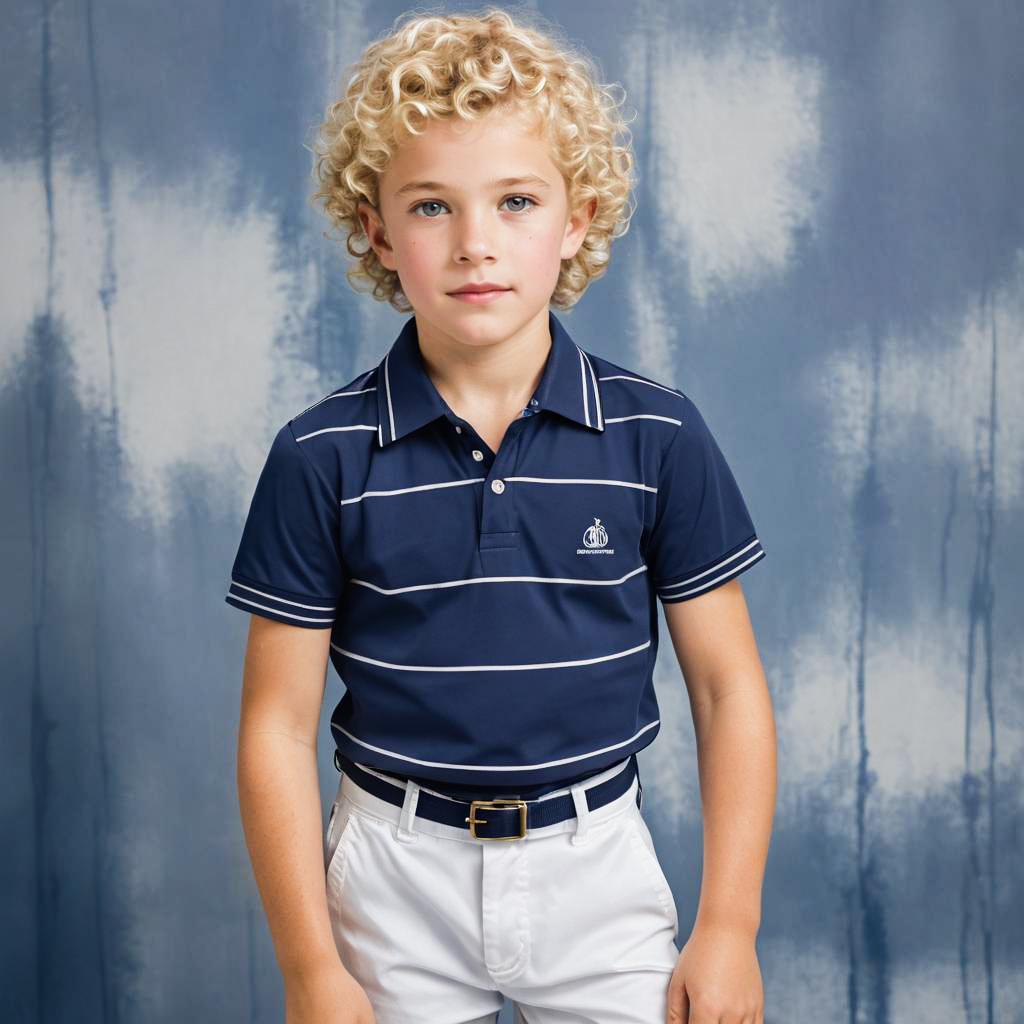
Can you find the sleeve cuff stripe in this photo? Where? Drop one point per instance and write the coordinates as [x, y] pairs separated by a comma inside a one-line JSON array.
[[280, 600], [723, 569], [242, 602]]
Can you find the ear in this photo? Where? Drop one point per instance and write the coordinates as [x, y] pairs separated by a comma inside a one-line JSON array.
[[376, 233], [577, 228]]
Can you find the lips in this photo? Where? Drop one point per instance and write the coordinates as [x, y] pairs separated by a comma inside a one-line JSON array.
[[477, 288]]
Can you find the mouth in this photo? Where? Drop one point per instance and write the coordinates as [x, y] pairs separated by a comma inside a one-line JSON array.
[[479, 297]]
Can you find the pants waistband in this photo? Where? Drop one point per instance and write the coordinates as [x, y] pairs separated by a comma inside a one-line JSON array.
[[410, 807]]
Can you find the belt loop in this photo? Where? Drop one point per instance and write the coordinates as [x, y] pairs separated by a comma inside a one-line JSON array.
[[406, 831], [579, 798]]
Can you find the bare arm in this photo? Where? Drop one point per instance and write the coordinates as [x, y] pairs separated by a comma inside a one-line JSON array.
[[279, 793], [735, 729], [718, 976]]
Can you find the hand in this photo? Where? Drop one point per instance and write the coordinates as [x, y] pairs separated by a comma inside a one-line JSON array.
[[717, 979], [331, 997]]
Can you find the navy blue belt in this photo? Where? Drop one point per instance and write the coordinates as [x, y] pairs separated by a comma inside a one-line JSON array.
[[502, 817]]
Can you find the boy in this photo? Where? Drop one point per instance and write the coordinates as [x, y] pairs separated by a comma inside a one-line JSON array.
[[476, 531]]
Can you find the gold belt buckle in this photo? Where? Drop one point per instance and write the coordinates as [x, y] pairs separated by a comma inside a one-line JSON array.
[[474, 820]]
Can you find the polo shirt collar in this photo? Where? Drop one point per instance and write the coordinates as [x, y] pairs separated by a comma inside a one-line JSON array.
[[407, 398]]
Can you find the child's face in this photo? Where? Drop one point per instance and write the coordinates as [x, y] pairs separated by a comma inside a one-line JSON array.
[[466, 228]]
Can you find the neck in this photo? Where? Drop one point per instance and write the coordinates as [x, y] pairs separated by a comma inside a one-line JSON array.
[[489, 375]]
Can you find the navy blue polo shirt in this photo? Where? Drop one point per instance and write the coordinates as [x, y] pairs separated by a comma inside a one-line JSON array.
[[493, 615]]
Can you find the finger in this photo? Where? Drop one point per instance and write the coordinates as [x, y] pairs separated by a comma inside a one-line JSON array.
[[676, 1004], [674, 1013]]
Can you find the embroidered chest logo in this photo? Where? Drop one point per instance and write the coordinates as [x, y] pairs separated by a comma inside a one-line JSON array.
[[595, 539]]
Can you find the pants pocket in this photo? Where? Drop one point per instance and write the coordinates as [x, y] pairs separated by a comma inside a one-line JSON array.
[[340, 826], [640, 836]]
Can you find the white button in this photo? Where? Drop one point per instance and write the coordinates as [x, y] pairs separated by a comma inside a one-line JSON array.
[[458, 429], [478, 455], [533, 401], [497, 486]]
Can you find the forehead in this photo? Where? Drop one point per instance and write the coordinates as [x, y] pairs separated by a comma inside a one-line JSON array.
[[469, 155]]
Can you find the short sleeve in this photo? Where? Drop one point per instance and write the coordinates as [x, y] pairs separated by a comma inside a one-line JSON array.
[[702, 534], [288, 566]]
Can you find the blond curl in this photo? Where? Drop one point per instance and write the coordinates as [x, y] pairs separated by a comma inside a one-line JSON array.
[[444, 66]]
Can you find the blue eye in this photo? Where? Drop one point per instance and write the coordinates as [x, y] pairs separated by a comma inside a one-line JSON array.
[[436, 202], [526, 198], [427, 202]]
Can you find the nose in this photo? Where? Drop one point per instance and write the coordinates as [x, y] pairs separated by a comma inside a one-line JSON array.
[[474, 236]]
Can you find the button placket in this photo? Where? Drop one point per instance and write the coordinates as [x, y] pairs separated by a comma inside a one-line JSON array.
[[497, 512]]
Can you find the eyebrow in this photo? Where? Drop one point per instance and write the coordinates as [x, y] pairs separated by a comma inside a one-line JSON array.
[[436, 186]]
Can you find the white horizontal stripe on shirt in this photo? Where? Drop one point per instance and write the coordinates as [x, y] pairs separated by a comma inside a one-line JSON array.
[[274, 597], [644, 416], [339, 394], [581, 480], [639, 380], [332, 430], [497, 579], [670, 591], [483, 479], [378, 426], [492, 668], [497, 767], [417, 487], [279, 611]]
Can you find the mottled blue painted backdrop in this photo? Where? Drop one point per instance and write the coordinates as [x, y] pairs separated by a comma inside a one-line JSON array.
[[828, 257]]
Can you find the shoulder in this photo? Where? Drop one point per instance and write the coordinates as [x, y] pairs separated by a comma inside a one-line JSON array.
[[351, 407], [626, 393], [344, 406], [324, 430]]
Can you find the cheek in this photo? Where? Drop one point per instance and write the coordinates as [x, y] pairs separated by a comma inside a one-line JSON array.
[[542, 241], [415, 256]]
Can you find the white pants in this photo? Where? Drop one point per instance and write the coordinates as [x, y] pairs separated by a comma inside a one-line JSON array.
[[575, 922]]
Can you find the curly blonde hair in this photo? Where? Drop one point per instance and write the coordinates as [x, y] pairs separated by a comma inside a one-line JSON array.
[[441, 66]]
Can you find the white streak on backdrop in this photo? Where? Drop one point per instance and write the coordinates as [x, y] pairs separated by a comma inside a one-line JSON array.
[[652, 333], [934, 397], [23, 277], [933, 416], [736, 138], [736, 164], [738, 172], [200, 312]]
